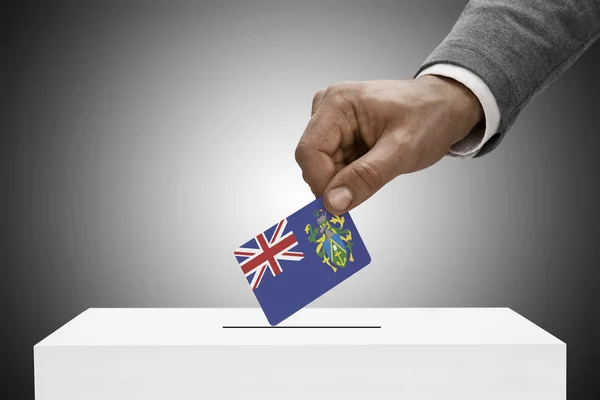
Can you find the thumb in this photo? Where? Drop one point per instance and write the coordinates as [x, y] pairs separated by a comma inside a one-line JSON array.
[[359, 180]]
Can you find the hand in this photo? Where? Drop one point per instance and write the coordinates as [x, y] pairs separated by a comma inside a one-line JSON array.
[[364, 134]]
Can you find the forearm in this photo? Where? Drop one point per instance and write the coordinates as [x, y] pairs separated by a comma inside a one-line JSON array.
[[518, 47]]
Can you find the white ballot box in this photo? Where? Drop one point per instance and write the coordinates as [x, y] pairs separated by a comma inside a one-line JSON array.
[[344, 353]]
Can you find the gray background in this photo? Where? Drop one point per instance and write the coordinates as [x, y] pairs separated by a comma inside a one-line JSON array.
[[142, 143]]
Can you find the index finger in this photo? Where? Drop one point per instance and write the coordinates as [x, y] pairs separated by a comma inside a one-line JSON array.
[[318, 152]]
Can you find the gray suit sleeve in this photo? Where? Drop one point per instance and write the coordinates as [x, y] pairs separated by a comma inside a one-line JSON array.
[[518, 48]]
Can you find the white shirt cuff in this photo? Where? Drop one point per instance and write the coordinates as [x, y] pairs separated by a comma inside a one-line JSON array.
[[470, 145]]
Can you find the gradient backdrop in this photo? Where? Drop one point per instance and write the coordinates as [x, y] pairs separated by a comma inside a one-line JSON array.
[[143, 142]]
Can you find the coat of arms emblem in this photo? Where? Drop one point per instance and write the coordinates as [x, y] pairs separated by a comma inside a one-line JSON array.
[[334, 244]]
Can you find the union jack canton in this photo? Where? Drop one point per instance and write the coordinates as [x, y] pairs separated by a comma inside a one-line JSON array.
[[267, 254]]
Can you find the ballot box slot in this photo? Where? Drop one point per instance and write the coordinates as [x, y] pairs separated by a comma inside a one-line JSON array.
[[303, 327]]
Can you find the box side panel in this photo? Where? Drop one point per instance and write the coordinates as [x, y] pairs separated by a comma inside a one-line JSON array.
[[524, 372]]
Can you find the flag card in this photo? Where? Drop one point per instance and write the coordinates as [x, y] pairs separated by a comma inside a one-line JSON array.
[[300, 258]]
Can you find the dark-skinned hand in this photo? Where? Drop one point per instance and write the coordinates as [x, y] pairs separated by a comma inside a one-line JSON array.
[[362, 135]]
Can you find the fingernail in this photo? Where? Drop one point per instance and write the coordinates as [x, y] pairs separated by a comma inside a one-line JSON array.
[[340, 198]]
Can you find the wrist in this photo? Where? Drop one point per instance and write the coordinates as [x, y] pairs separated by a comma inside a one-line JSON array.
[[462, 103]]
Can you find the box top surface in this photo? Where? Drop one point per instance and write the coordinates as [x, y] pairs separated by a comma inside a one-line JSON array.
[[311, 326]]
